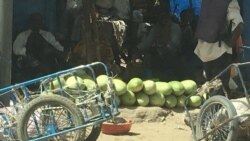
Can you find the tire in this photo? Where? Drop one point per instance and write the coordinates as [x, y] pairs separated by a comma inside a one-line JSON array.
[[35, 113], [92, 132], [214, 111]]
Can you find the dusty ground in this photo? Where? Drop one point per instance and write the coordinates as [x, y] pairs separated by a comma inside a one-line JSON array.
[[153, 124], [157, 124]]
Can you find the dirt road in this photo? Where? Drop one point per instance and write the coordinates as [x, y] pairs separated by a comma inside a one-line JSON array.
[[171, 128]]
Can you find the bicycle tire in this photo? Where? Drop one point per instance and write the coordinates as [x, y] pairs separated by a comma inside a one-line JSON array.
[[45, 100], [93, 132], [221, 109]]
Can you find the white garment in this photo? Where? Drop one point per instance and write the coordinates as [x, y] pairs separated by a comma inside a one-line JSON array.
[[119, 31], [19, 46], [211, 51]]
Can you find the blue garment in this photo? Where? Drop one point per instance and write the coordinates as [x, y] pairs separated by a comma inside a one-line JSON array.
[[246, 17], [245, 56], [177, 6]]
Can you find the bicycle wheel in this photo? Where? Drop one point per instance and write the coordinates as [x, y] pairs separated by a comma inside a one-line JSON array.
[[215, 111], [92, 132], [7, 125], [49, 114]]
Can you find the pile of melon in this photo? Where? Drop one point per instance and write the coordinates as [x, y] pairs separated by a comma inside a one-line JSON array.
[[138, 92]]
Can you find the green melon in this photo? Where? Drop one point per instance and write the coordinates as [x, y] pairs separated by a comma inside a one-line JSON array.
[[157, 99], [135, 85], [102, 81], [195, 101], [178, 88], [181, 100], [171, 101], [55, 83], [89, 83], [142, 99], [190, 86], [128, 99], [163, 88], [73, 82], [120, 87], [149, 87]]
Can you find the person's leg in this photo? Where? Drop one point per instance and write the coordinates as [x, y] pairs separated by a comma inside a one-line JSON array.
[[208, 68], [213, 68], [220, 64]]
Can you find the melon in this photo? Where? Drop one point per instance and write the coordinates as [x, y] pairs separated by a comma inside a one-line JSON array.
[[89, 83], [195, 101], [135, 85], [142, 99], [190, 86], [128, 99], [177, 87], [55, 83], [75, 82], [181, 100], [157, 99], [120, 87], [171, 101], [149, 87], [163, 88], [102, 81]]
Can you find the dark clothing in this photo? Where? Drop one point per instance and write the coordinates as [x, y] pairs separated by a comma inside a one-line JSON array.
[[40, 55], [212, 68], [212, 22]]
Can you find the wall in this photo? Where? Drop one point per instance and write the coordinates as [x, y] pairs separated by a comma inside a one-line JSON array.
[[23, 8], [5, 40], [6, 8]]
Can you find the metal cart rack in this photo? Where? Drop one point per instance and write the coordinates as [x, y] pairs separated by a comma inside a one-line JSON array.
[[42, 112]]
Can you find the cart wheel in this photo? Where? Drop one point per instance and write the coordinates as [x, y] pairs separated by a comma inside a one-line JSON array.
[[215, 111], [92, 132], [47, 115]]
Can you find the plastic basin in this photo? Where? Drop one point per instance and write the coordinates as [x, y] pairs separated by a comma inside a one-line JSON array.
[[116, 128]]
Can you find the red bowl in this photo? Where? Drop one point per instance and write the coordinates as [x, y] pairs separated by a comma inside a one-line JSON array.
[[116, 128]]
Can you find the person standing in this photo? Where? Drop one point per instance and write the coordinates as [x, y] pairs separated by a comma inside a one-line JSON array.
[[37, 48], [218, 20]]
